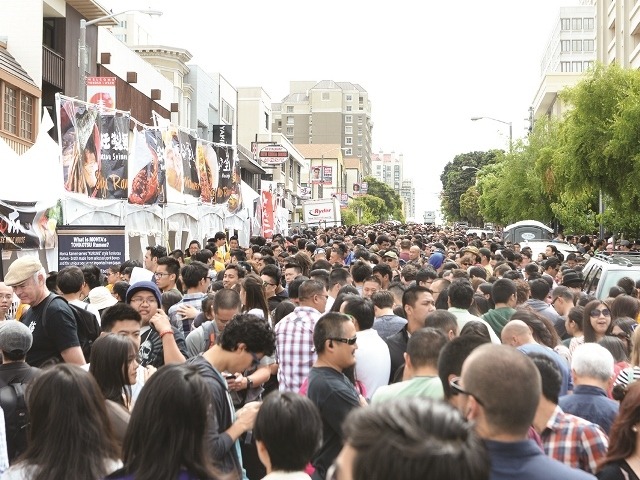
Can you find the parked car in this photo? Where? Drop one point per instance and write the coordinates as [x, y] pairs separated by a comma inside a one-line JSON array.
[[603, 271]]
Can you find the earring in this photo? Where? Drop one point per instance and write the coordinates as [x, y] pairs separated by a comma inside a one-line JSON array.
[[634, 429]]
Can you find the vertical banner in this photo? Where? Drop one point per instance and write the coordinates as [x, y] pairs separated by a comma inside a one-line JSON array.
[[316, 173], [188, 154], [174, 165], [356, 190], [207, 164], [268, 207], [94, 149], [364, 188], [343, 198], [146, 169], [327, 175], [228, 190], [222, 134], [79, 131], [114, 157]]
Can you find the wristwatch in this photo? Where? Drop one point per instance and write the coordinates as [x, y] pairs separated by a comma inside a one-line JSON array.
[[249, 383]]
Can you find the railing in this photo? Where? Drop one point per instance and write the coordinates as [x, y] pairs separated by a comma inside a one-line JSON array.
[[52, 67]]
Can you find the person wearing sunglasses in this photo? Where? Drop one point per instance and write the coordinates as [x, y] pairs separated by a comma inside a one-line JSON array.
[[335, 341], [596, 321]]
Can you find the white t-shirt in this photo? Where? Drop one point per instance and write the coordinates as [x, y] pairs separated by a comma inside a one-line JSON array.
[[373, 363]]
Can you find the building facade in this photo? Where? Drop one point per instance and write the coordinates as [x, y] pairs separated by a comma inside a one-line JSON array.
[[618, 32], [329, 113]]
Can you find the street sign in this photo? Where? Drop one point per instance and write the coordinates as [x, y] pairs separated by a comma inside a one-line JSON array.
[[273, 155]]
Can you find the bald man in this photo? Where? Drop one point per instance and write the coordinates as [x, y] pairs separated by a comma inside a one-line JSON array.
[[6, 299], [501, 390], [517, 334]]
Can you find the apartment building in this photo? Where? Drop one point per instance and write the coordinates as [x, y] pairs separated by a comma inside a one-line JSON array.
[[328, 113]]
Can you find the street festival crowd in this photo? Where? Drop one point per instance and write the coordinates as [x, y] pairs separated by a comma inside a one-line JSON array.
[[371, 352]]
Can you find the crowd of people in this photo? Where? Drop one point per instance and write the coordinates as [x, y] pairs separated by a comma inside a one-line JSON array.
[[363, 353]]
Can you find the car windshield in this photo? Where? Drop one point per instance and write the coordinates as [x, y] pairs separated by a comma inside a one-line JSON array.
[[612, 277]]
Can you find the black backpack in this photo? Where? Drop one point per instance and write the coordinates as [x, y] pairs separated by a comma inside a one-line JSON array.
[[86, 323], [16, 418]]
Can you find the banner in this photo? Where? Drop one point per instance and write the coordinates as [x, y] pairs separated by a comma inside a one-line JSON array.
[[28, 225], [101, 91], [364, 188], [304, 192], [357, 190], [146, 169], [222, 134], [188, 145], [94, 150], [228, 191], [321, 175], [207, 165], [343, 198], [268, 200]]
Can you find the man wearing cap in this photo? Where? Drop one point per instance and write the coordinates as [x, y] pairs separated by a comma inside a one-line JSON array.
[[15, 342], [160, 342], [57, 339]]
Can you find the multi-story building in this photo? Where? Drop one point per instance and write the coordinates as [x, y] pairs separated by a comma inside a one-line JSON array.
[[388, 168], [618, 32], [329, 113], [570, 51], [408, 196]]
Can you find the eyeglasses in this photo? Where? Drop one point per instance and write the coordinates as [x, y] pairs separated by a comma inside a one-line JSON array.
[[465, 264], [348, 341], [595, 313], [254, 359], [140, 301], [456, 389], [265, 284]]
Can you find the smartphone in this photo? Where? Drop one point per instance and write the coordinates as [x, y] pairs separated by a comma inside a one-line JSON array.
[[229, 376]]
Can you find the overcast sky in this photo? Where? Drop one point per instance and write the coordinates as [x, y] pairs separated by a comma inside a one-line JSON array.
[[428, 66]]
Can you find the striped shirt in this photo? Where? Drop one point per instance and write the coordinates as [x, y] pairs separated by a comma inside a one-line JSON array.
[[294, 346], [574, 441]]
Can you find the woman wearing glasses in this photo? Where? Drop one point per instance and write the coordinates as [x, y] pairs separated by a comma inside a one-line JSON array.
[[596, 324]]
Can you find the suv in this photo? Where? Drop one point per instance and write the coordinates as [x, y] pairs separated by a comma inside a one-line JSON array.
[[603, 271]]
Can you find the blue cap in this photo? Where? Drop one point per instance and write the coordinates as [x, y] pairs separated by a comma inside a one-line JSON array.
[[144, 285]]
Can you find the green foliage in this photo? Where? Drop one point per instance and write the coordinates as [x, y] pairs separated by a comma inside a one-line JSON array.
[[456, 181], [469, 206], [390, 206]]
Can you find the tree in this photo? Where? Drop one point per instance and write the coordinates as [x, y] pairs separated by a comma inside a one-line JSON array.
[[391, 201], [456, 180], [469, 206], [365, 209]]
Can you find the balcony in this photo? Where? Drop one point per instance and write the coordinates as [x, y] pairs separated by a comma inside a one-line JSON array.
[[52, 68]]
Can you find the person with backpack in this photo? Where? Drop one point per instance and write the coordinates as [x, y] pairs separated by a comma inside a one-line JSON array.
[[70, 282], [51, 319], [15, 374]]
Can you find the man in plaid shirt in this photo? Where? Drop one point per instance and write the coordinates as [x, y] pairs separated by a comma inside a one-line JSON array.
[[294, 336], [565, 437]]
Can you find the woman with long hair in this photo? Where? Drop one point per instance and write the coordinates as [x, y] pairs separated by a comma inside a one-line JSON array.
[[70, 435], [166, 435], [623, 457], [253, 296], [625, 306], [596, 321], [573, 324], [114, 364]]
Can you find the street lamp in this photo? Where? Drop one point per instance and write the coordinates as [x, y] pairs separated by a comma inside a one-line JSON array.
[[474, 119], [82, 46]]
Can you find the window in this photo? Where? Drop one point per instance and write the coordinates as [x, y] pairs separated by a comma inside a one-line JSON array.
[[349, 108], [360, 152], [348, 129], [289, 130], [266, 120], [291, 169], [588, 45], [576, 66], [228, 114], [587, 65], [565, 46], [359, 120], [576, 45], [359, 141], [565, 24], [565, 66], [349, 98], [576, 24], [26, 116], [289, 120], [326, 96], [360, 131], [348, 141], [289, 108], [348, 152], [10, 109], [348, 119], [587, 23]]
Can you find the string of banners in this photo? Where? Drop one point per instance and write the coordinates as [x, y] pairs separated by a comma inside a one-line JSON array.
[[103, 159]]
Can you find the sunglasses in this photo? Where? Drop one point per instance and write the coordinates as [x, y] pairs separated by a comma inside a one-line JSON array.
[[348, 341], [456, 389], [595, 313]]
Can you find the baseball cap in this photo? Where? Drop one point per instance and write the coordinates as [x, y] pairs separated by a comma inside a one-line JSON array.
[[15, 337], [391, 254], [144, 285], [22, 269]]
